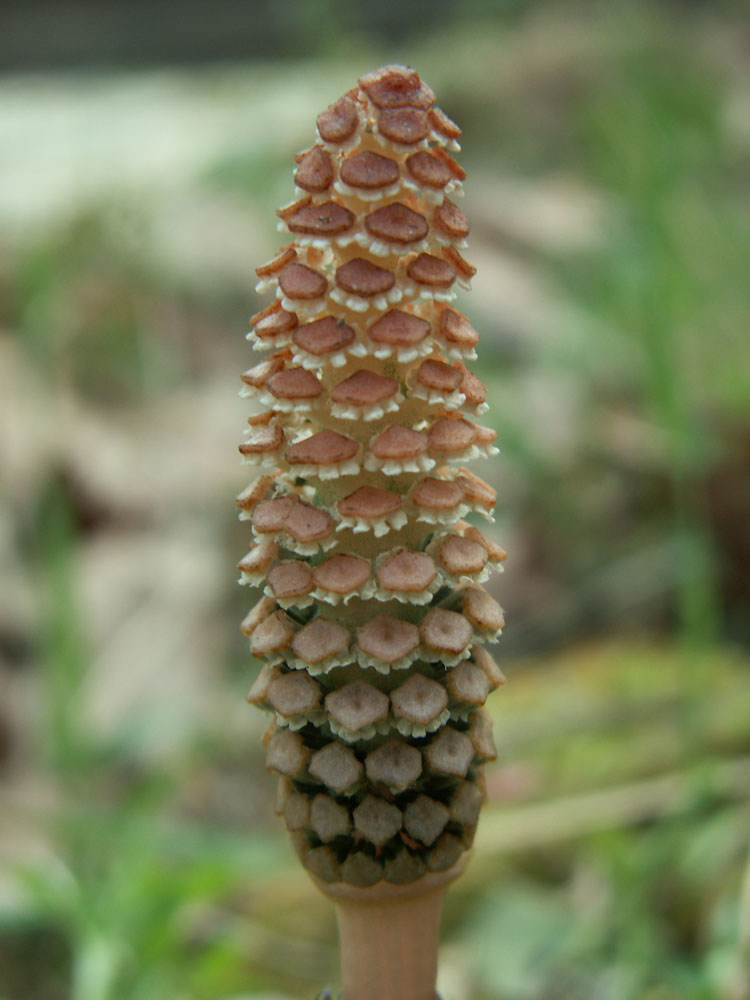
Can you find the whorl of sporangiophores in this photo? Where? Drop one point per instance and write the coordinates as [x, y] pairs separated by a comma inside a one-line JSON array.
[[373, 620]]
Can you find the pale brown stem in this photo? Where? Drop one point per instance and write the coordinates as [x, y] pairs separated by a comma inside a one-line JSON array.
[[389, 935]]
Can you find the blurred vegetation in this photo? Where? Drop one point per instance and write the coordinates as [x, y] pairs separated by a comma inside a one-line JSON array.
[[608, 151]]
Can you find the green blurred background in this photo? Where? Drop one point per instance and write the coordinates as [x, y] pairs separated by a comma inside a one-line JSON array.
[[143, 150]]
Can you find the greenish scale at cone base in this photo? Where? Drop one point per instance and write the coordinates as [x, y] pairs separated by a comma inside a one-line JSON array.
[[373, 621]]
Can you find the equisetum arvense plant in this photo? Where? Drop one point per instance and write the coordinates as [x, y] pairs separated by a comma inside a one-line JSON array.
[[373, 621]]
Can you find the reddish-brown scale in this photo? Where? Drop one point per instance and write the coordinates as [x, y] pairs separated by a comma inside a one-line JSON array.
[[324, 448], [339, 121], [362, 277], [315, 170], [369, 170], [397, 224], [298, 281], [398, 442], [399, 328], [431, 271], [403, 125], [364, 388], [451, 220], [428, 170], [328, 219], [370, 503], [323, 336]]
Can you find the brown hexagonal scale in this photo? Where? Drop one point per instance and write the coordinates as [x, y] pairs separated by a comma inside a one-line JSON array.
[[450, 220], [320, 639], [446, 852], [286, 753], [405, 570], [272, 635], [323, 336], [258, 375], [361, 870], [482, 610], [466, 803], [397, 87], [436, 494], [395, 764], [454, 259], [357, 705], [428, 170], [476, 489], [287, 211], [275, 324], [459, 555], [399, 329], [425, 819], [443, 124], [265, 439], [294, 383], [258, 693], [362, 277], [468, 683], [259, 558], [270, 515], [328, 219], [257, 615], [397, 224], [298, 281], [434, 272], [364, 388], [449, 436], [450, 752], [495, 551], [445, 631], [369, 170], [290, 579], [338, 122], [296, 810], [369, 503], [336, 766], [328, 818], [261, 419], [473, 388], [307, 523], [315, 170], [293, 694], [397, 442], [438, 375], [321, 862], [403, 867], [387, 638], [403, 125], [284, 256], [480, 732], [486, 662], [456, 328], [419, 699], [377, 820], [453, 165], [327, 447], [485, 435], [342, 573]]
